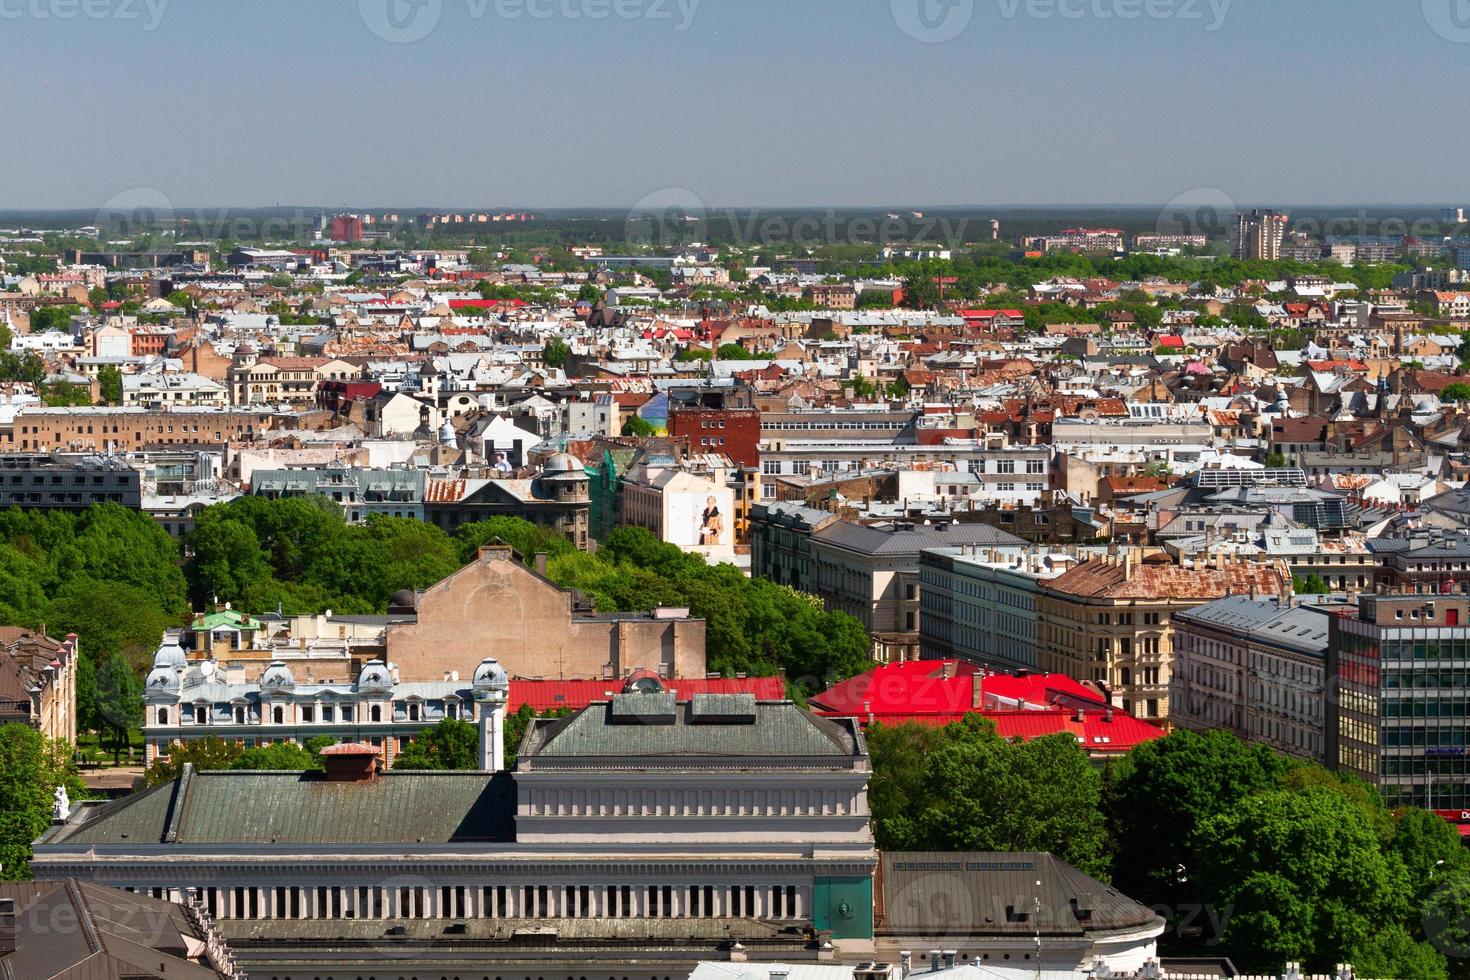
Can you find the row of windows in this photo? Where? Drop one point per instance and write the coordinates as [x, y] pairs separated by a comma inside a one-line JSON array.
[[499, 901]]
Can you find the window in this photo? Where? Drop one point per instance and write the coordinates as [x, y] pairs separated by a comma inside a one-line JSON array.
[[278, 715], [308, 713], [375, 713], [163, 716], [239, 714], [201, 715], [1005, 466]]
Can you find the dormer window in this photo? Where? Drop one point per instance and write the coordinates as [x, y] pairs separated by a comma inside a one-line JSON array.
[[239, 714], [278, 715], [413, 712], [163, 716], [201, 715], [375, 713]]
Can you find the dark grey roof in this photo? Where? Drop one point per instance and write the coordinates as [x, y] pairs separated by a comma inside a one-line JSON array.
[[647, 729], [77, 930], [969, 893], [902, 538], [238, 807], [1299, 628]]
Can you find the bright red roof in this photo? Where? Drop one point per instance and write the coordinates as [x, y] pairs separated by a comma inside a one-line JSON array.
[[945, 687], [550, 695]]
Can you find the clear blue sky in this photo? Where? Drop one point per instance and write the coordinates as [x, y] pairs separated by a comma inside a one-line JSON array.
[[755, 102]]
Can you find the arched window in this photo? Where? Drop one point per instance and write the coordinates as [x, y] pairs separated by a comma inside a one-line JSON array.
[[163, 716], [201, 715], [239, 714], [375, 713], [278, 715], [413, 712]]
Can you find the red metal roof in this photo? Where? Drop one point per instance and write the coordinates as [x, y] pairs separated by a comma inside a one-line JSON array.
[[550, 695], [945, 687]]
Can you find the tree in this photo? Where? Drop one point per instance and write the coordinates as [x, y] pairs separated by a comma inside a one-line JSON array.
[[1304, 876], [638, 427], [1455, 391], [279, 757], [62, 394], [32, 767], [451, 744], [555, 353], [210, 752], [976, 791], [1275, 461], [119, 701], [281, 280], [1157, 797], [53, 317], [733, 352], [109, 383], [1313, 584], [1446, 921]]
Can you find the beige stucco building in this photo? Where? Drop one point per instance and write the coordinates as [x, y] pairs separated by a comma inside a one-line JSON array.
[[497, 607], [1111, 620]]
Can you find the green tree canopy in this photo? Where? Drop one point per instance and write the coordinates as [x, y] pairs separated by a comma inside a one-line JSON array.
[[450, 744], [1304, 876], [963, 787]]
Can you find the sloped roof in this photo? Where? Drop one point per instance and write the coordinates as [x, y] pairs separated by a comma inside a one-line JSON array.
[[240, 807], [619, 732], [967, 893], [1099, 579], [113, 935]]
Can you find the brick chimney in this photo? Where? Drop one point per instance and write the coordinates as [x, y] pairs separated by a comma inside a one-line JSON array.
[[351, 762]]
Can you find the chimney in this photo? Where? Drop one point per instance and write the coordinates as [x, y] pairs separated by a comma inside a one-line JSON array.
[[949, 958], [933, 961], [541, 563], [905, 962], [350, 762], [9, 933]]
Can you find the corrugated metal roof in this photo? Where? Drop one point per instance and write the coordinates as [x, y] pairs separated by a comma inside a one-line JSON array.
[[982, 893]]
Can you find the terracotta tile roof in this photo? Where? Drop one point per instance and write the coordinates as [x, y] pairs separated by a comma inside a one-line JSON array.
[[1102, 579]]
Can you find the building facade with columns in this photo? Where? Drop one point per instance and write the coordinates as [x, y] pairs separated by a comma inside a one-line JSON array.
[[643, 819]]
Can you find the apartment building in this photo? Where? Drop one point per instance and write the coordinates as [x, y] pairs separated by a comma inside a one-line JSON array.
[[871, 572], [1253, 666], [1111, 620], [1258, 235], [980, 607]]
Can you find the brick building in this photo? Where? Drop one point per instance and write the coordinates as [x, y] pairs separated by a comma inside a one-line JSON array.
[[97, 429]]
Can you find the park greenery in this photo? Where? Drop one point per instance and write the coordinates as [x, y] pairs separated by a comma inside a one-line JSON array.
[[301, 556], [1293, 862], [32, 768]]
